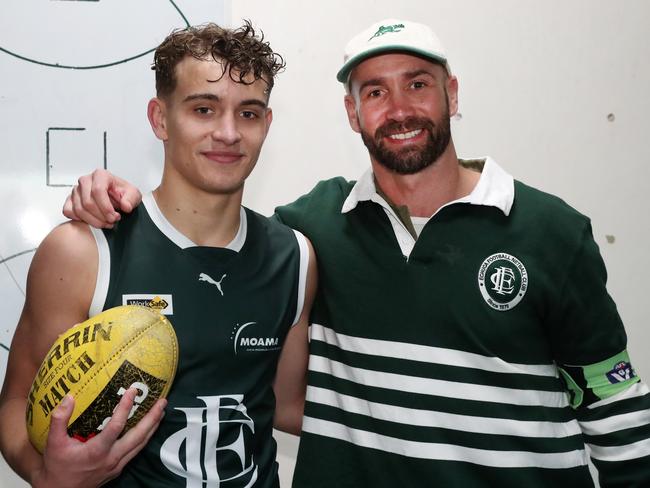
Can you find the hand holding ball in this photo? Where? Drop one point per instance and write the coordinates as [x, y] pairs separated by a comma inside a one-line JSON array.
[[96, 362]]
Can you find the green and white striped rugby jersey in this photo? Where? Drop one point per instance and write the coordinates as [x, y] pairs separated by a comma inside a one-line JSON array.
[[443, 368]]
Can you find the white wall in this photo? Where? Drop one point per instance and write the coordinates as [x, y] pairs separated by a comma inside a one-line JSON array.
[[555, 91]]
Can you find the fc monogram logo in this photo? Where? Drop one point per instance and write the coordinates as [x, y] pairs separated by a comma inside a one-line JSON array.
[[213, 442], [503, 280]]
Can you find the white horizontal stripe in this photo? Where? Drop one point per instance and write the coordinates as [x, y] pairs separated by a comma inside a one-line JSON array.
[[621, 453], [636, 390], [428, 354], [429, 418], [429, 386], [616, 423], [445, 452]]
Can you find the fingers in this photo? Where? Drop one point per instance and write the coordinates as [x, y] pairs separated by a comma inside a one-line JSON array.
[[68, 462], [149, 423], [68, 210], [85, 212], [116, 425], [138, 436], [125, 194], [95, 195], [91, 202], [144, 429], [59, 423]]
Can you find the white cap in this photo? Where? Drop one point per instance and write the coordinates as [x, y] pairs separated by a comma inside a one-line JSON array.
[[391, 35]]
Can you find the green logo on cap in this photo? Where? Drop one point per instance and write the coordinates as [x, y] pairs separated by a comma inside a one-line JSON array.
[[386, 29]]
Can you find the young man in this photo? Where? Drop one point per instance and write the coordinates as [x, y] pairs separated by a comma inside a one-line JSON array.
[[237, 287], [462, 334]]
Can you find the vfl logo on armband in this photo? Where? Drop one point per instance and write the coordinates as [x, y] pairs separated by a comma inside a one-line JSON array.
[[503, 281], [622, 372], [161, 303], [245, 339]]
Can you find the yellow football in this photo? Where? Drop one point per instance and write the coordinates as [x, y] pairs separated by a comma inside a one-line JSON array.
[[96, 362]]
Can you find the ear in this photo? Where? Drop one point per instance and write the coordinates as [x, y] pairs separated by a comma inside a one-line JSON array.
[[156, 112], [268, 118], [351, 109], [452, 95]]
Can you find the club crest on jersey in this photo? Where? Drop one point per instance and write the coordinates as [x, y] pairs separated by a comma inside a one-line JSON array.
[[503, 281], [161, 303], [214, 447], [246, 338], [622, 372]]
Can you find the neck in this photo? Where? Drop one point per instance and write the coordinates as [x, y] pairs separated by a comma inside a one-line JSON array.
[[426, 191], [206, 219]]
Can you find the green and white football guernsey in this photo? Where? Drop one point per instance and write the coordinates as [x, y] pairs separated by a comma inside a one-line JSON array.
[[486, 353], [231, 309]]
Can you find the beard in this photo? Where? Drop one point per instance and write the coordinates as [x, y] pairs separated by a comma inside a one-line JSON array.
[[410, 160]]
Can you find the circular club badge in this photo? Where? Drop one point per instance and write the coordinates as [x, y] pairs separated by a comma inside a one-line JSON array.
[[503, 281]]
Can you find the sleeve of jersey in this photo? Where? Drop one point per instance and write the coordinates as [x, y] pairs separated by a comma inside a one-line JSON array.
[[304, 213], [293, 214], [611, 402]]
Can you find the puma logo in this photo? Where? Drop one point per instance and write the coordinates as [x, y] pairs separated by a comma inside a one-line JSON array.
[[209, 279]]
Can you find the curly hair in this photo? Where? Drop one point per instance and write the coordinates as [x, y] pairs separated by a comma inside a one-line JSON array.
[[240, 51]]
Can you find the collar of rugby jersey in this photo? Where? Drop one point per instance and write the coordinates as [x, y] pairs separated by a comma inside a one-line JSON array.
[[495, 188]]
